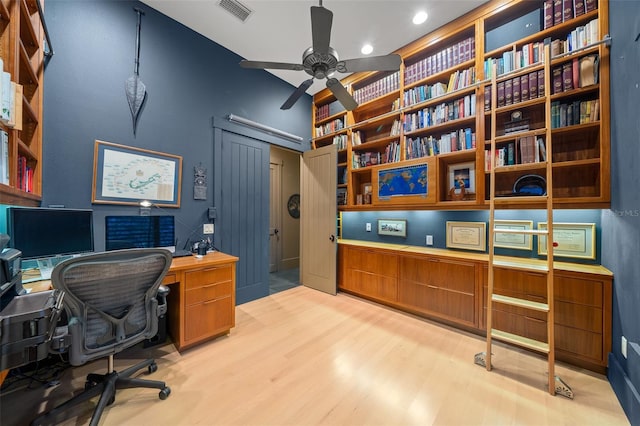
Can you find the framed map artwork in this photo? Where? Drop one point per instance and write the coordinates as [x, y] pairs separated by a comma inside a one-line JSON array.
[[126, 175]]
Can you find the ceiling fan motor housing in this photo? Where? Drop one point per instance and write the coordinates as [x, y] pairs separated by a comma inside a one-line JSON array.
[[319, 65]]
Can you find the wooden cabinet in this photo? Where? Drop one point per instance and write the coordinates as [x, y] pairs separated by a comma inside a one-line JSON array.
[[21, 47], [439, 287], [452, 287], [202, 298], [582, 312], [441, 99]]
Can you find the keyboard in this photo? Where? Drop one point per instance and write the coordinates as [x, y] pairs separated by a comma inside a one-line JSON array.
[[181, 253]]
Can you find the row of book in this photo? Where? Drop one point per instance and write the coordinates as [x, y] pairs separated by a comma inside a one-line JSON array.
[[558, 11], [341, 141], [458, 140], [341, 197], [25, 175], [391, 154], [511, 60], [576, 74], [517, 89], [457, 80], [578, 38], [10, 100], [331, 127], [446, 58], [4, 157], [442, 113], [327, 110], [524, 150], [378, 88], [573, 113]]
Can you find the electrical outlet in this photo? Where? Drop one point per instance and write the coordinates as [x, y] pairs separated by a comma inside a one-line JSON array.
[[429, 240], [207, 228], [368, 227], [623, 346]]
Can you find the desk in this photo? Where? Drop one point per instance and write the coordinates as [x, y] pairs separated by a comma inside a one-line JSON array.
[[202, 299]]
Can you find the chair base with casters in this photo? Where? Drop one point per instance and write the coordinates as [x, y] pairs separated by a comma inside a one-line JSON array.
[[106, 385]]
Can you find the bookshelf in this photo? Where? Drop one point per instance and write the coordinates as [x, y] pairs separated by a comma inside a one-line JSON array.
[[440, 98], [21, 48]]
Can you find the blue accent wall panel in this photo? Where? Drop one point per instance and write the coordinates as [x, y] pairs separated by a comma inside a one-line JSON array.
[[621, 224], [189, 79]]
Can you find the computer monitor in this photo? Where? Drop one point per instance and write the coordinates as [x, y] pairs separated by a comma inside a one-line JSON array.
[[123, 232], [45, 232]]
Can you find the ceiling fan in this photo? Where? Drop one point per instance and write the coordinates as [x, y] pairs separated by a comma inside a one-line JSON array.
[[321, 61]]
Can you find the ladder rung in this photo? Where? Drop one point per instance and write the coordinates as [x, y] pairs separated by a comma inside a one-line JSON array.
[[521, 265], [521, 231], [522, 341], [520, 199], [523, 303]]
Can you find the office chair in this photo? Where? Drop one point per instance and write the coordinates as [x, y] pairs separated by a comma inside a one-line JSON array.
[[111, 304]]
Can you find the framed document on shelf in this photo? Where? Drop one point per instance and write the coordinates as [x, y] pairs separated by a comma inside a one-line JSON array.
[[467, 235], [577, 240], [513, 240]]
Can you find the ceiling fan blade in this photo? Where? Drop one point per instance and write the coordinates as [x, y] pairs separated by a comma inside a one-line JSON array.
[[389, 62], [297, 93], [341, 94], [321, 20], [271, 65]]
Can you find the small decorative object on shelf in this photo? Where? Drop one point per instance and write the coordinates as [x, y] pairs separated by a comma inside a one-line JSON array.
[[517, 124]]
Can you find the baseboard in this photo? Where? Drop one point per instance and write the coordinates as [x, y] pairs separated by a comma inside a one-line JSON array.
[[625, 390]]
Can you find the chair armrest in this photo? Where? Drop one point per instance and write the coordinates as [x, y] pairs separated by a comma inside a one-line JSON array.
[[163, 291]]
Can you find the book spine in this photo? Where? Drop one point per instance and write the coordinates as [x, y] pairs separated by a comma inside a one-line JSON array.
[[516, 90], [590, 5], [540, 84], [508, 92], [567, 77], [533, 85], [500, 87], [524, 87], [556, 78], [548, 14], [557, 12], [578, 7], [567, 10]]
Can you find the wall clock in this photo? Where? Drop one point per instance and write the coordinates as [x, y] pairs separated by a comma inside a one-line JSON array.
[[293, 206]]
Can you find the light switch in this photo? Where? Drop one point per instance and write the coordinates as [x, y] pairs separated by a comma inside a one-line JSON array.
[[368, 227]]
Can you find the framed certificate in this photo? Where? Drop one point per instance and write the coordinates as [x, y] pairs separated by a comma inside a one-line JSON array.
[[577, 240], [513, 240], [467, 235]]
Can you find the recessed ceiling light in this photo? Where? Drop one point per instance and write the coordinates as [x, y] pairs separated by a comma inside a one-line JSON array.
[[366, 49], [420, 17]]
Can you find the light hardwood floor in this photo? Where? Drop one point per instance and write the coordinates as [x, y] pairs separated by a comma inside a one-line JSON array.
[[301, 357]]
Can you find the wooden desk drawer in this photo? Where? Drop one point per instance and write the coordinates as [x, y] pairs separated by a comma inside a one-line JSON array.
[[203, 277], [208, 292], [170, 278]]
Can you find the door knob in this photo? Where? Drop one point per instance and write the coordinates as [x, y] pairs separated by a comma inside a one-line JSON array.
[[332, 238]]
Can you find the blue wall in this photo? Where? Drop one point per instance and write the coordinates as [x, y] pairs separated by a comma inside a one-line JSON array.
[[423, 223], [189, 80], [621, 225]]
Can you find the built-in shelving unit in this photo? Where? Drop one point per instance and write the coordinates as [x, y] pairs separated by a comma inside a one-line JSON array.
[[440, 98], [22, 52]]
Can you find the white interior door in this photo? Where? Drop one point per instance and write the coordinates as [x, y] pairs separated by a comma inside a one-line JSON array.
[[275, 216], [318, 245]]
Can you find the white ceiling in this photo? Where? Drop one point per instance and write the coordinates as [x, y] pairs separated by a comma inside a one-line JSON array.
[[280, 30]]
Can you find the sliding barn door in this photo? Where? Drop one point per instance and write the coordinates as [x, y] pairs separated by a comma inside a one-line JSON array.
[[318, 245], [241, 197]]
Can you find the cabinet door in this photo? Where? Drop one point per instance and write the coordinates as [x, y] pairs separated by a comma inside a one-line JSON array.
[[369, 273], [445, 288]]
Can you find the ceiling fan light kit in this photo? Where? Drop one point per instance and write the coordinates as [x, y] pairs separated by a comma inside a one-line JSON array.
[[321, 61]]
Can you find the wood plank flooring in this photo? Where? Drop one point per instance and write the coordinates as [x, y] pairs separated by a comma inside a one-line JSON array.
[[301, 357]]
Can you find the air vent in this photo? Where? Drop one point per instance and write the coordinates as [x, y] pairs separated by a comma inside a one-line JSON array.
[[236, 8]]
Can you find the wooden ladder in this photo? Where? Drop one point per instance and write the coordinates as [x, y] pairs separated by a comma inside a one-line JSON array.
[[556, 384]]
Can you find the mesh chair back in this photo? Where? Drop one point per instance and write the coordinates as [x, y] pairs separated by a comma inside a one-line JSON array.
[[111, 299]]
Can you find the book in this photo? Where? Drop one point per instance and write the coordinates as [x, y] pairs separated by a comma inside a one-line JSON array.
[[548, 14], [557, 12], [524, 87], [567, 77], [487, 98], [540, 84], [500, 88], [588, 70], [5, 115], [508, 92], [590, 5], [567, 10], [557, 79], [4, 157], [575, 77], [516, 90], [542, 150], [533, 85], [578, 7]]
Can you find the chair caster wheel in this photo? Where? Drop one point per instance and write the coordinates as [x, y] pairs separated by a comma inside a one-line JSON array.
[[164, 393], [152, 368]]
